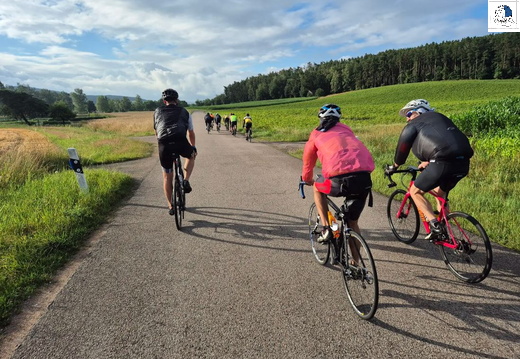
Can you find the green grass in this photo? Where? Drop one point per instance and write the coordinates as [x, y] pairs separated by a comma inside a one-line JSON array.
[[48, 219], [97, 147]]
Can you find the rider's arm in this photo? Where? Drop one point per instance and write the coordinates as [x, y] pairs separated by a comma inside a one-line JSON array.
[[309, 158], [404, 145]]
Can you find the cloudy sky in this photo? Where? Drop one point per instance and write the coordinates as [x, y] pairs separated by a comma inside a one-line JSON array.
[[129, 47]]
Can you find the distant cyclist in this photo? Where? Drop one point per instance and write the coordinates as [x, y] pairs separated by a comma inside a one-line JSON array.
[[173, 127], [444, 152], [233, 119], [346, 167], [218, 120], [226, 122], [207, 121], [247, 123]]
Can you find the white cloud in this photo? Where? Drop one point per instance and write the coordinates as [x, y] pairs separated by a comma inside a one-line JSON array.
[[200, 46]]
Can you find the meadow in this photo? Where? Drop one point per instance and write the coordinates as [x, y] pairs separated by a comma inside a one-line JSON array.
[[46, 218]]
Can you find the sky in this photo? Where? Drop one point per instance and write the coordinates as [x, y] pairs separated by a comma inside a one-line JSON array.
[[141, 47]]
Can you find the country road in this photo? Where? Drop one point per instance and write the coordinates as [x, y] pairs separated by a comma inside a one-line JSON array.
[[240, 281]]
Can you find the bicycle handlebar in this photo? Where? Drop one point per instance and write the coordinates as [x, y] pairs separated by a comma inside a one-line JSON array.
[[389, 173], [300, 188]]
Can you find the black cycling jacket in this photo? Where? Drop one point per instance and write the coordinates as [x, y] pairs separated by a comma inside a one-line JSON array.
[[171, 121], [432, 136]]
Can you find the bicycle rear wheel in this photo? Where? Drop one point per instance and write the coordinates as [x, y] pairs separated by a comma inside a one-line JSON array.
[[361, 283], [178, 203], [321, 250], [404, 221], [471, 261]]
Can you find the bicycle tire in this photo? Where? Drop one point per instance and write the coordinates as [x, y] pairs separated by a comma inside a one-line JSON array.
[[250, 135], [471, 261], [321, 251], [360, 282], [406, 227], [177, 203]]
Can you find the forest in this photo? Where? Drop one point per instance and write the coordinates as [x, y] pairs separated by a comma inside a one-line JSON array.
[[495, 56]]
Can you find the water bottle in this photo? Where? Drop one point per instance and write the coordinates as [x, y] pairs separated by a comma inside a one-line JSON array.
[[333, 225]]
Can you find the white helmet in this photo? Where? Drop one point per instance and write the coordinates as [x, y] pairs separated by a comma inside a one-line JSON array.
[[414, 104], [330, 110]]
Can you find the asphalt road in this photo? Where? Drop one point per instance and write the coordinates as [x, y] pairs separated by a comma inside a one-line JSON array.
[[239, 281]]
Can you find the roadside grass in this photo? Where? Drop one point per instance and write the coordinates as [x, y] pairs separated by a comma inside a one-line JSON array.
[[45, 221], [45, 216]]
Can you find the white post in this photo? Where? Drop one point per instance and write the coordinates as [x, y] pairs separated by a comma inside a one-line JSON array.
[[75, 164]]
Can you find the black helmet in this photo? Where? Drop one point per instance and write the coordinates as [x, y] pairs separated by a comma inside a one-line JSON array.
[[330, 110], [170, 94]]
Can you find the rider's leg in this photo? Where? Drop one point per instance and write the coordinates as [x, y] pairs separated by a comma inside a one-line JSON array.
[[168, 187], [354, 244], [322, 206], [422, 203], [189, 163]]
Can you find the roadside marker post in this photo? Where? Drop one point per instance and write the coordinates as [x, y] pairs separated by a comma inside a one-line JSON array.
[[75, 165]]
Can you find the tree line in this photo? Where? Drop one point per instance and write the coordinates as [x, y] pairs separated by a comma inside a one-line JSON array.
[[23, 103], [494, 56]]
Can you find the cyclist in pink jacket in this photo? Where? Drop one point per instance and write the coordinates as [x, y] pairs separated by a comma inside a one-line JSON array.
[[346, 167]]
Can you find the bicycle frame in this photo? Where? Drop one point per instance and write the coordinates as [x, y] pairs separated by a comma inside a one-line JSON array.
[[441, 217]]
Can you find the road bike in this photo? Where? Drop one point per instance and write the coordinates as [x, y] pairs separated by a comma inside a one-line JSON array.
[[234, 129], [350, 251], [178, 195], [209, 127], [218, 127], [249, 134], [463, 243]]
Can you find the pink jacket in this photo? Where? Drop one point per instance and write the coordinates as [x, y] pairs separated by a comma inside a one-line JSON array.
[[339, 151]]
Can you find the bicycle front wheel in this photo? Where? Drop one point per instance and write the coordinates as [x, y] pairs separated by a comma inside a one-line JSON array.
[[472, 259], [321, 250], [359, 275], [178, 203], [403, 217]]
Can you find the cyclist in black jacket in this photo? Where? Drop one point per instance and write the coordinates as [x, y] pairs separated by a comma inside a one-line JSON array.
[[173, 127], [444, 152]]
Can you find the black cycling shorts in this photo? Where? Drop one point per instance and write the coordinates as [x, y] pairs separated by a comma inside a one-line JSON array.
[[249, 125], [168, 147], [355, 187], [442, 174]]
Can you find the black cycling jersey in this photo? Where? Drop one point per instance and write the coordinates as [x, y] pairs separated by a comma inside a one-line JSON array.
[[171, 121], [432, 136]]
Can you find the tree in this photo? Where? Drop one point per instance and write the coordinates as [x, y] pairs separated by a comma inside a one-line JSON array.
[[59, 111], [125, 104], [91, 106], [80, 101], [102, 104], [138, 104], [22, 106]]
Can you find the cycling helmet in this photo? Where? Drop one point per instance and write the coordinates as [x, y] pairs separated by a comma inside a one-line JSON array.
[[330, 110], [415, 104], [170, 94]]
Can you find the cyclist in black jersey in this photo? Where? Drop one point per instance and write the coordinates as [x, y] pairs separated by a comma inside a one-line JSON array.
[[444, 152], [173, 127]]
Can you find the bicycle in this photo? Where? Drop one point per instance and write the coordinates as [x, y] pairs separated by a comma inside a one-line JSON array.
[[178, 195], [218, 127], [359, 280], [209, 127], [463, 243], [249, 134], [234, 129]]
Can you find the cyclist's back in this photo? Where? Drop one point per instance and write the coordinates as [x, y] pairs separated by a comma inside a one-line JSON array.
[[433, 136]]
